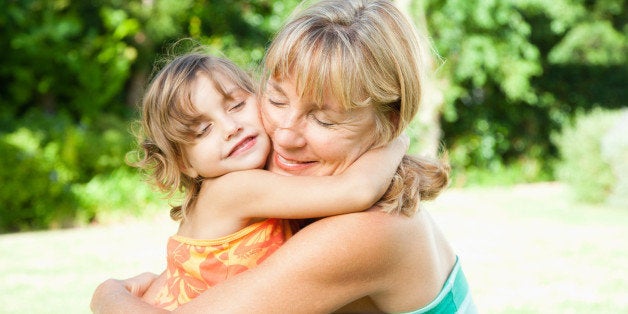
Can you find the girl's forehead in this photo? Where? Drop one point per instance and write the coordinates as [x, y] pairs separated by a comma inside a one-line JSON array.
[[223, 84]]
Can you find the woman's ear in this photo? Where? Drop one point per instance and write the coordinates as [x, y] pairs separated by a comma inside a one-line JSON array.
[[393, 116]]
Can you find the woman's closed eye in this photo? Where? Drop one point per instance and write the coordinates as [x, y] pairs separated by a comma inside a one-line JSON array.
[[276, 102], [322, 120]]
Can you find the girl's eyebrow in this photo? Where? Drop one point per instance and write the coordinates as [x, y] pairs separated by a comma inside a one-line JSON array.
[[233, 92]]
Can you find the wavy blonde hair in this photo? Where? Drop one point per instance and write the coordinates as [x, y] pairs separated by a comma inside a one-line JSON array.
[[364, 53], [168, 118]]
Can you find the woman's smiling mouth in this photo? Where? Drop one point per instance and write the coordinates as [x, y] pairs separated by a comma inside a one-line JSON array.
[[291, 164]]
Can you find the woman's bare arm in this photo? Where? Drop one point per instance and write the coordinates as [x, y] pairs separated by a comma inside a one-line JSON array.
[[328, 264]]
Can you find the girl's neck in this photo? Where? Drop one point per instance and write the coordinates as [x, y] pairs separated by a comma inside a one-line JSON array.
[[204, 221]]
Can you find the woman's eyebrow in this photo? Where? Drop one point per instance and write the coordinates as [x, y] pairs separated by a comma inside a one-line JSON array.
[[276, 87]]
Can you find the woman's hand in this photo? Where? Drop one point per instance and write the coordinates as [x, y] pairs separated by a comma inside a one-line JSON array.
[[117, 296]]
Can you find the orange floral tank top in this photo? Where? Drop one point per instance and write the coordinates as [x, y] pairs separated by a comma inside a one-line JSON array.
[[194, 265]]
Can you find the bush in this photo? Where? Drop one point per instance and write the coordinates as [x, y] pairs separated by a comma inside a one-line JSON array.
[[497, 174], [582, 165], [615, 153], [116, 195], [34, 194], [46, 160]]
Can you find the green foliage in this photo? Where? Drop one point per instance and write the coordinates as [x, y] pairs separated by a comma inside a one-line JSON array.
[[35, 193], [71, 72], [115, 195], [45, 158], [497, 174], [582, 165], [489, 66], [517, 70], [237, 29], [63, 56]]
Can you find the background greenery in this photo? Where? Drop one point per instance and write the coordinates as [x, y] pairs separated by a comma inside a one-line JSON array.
[[512, 75]]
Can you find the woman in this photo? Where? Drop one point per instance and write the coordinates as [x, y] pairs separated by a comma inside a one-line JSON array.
[[341, 77]]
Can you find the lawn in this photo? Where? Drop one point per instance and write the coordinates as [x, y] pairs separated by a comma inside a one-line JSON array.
[[525, 249]]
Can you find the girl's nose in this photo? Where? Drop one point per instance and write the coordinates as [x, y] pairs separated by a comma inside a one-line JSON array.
[[231, 128]]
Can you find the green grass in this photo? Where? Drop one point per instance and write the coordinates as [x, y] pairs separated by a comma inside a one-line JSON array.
[[530, 249], [524, 248]]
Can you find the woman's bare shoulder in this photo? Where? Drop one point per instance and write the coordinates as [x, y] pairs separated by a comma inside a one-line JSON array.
[[361, 224], [373, 217], [357, 237], [390, 257], [370, 241]]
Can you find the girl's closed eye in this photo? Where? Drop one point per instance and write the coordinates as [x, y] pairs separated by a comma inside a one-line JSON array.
[[237, 105], [203, 129]]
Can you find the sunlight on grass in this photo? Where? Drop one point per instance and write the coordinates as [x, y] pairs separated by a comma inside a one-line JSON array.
[[57, 271], [529, 249], [525, 249]]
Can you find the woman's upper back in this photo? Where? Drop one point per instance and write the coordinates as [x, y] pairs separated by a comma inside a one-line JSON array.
[[425, 261], [399, 263]]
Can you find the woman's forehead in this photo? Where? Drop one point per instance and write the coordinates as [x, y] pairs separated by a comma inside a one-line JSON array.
[[323, 99]]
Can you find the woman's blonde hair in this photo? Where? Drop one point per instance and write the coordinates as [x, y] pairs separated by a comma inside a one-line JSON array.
[[364, 53], [168, 118]]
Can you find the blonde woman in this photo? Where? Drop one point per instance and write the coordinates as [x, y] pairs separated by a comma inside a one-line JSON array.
[[341, 77]]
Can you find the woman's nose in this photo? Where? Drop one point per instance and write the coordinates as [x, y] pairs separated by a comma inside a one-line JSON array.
[[288, 138], [285, 126]]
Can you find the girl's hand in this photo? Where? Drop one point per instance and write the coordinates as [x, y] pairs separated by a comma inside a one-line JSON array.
[[113, 291], [139, 284], [370, 175]]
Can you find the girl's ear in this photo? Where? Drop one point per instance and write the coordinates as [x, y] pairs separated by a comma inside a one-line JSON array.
[[187, 169]]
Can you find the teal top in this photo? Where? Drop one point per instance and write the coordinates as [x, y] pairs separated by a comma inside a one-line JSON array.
[[454, 297]]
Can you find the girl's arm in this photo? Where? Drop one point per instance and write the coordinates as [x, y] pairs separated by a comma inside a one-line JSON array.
[[261, 193]]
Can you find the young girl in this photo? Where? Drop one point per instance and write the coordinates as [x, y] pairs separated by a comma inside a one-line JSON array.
[[202, 135]]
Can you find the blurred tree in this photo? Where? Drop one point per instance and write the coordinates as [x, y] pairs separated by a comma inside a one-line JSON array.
[[62, 56], [70, 71], [85, 57], [516, 70], [512, 72], [238, 29]]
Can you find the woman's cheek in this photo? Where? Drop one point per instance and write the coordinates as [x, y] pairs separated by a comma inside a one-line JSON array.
[[267, 121]]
